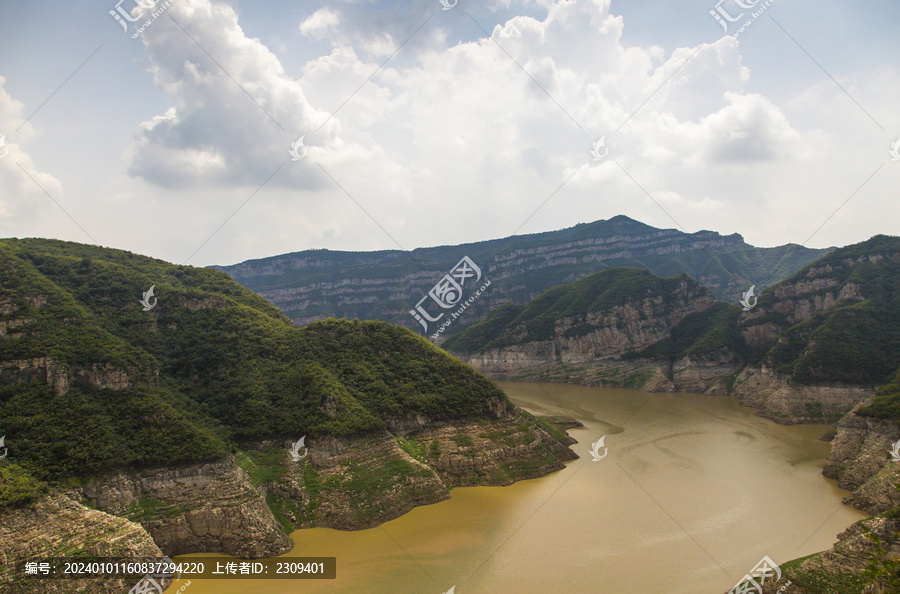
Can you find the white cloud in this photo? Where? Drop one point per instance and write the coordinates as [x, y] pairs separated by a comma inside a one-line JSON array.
[[21, 199], [319, 23], [451, 142], [234, 110]]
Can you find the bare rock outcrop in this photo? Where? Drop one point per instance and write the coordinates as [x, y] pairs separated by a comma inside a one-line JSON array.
[[59, 377], [861, 462], [788, 402], [203, 507], [357, 482], [61, 526]]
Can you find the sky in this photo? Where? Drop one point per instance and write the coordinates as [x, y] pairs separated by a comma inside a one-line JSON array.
[[423, 124]]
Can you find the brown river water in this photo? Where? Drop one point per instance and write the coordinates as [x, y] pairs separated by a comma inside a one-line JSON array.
[[693, 492]]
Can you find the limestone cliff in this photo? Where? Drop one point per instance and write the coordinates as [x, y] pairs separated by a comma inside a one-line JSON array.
[[62, 526], [861, 462], [353, 483], [841, 569], [209, 508], [784, 400]]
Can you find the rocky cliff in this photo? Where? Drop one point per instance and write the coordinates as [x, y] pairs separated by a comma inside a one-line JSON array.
[[843, 568], [866, 557], [209, 508], [62, 525], [861, 461], [360, 482]]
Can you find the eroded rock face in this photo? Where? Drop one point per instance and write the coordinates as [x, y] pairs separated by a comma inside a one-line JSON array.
[[60, 378], [705, 374], [197, 508], [42, 369], [787, 402], [640, 374], [615, 332], [353, 483], [407, 424], [476, 454], [861, 462], [820, 288], [57, 525], [15, 328]]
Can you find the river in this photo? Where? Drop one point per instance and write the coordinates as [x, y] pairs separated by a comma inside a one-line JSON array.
[[693, 492]]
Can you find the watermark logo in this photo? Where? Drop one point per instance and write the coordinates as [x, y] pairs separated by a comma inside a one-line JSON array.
[[147, 585], [895, 451], [756, 579], [748, 295], [447, 6], [295, 449], [169, 572], [2, 439], [595, 449], [448, 292], [724, 17], [894, 152], [600, 149], [121, 15], [4, 150], [295, 153], [146, 300]]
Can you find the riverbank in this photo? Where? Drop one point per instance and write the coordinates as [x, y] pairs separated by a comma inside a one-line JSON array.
[[688, 483], [247, 504]]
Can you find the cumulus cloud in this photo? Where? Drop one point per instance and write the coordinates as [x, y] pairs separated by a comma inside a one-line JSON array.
[[21, 199], [234, 111], [447, 143], [319, 23]]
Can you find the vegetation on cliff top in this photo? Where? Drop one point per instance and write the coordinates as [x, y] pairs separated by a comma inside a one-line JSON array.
[[89, 382], [600, 292], [857, 340]]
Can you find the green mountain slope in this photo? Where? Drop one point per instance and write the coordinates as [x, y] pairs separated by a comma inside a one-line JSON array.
[[90, 382], [599, 293], [837, 319]]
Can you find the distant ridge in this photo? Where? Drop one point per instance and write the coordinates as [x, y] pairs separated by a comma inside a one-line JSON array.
[[385, 285]]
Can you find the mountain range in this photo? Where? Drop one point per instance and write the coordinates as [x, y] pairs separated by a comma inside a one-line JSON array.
[[387, 285]]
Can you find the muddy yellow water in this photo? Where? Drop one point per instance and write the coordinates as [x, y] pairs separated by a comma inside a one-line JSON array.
[[693, 492]]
